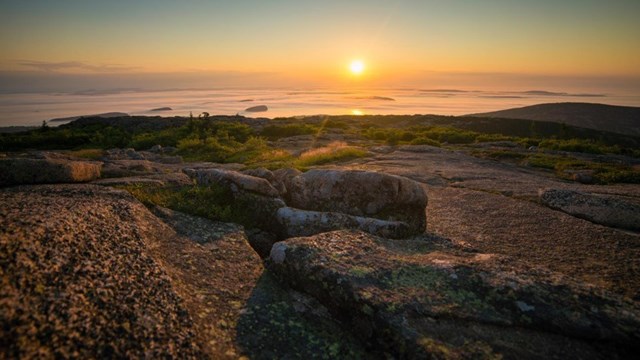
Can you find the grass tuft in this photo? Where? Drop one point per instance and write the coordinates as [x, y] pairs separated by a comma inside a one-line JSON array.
[[336, 151]]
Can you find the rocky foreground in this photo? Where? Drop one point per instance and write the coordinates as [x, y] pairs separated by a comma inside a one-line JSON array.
[[513, 263]]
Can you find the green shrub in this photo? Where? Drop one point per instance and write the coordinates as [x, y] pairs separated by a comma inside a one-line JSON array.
[[166, 137], [274, 132], [618, 176], [425, 141], [579, 145], [251, 149], [210, 149], [110, 137], [91, 154], [493, 138], [543, 161], [499, 154], [211, 202], [374, 133], [451, 135], [335, 124]]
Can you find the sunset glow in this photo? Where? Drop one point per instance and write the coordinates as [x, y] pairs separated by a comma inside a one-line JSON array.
[[356, 67], [414, 43]]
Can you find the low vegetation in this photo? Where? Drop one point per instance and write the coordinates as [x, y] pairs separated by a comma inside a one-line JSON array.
[[275, 132], [211, 202], [336, 151], [567, 166], [556, 147]]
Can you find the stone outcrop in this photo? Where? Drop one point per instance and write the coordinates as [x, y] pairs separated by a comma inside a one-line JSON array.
[[126, 168], [601, 209], [77, 280], [284, 177], [326, 200], [419, 299], [234, 180], [261, 199], [156, 154], [360, 193], [296, 222], [15, 171], [89, 272], [269, 176], [166, 179], [238, 308]]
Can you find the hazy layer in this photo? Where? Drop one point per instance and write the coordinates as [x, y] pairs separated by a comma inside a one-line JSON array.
[[31, 109]]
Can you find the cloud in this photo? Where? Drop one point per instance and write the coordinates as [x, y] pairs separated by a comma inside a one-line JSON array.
[[50, 66]]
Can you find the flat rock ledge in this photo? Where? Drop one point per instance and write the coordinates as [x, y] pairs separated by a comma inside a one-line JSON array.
[[16, 171], [89, 272], [600, 209], [413, 299], [296, 222], [78, 281]]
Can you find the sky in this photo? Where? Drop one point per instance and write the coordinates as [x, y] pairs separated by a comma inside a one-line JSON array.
[[569, 44]]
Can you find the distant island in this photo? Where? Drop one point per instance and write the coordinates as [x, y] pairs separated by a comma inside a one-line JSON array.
[[259, 108]]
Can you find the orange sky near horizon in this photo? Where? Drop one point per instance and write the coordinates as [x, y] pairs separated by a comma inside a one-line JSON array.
[[314, 42]]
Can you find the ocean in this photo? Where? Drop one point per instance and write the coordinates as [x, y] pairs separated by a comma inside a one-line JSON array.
[[29, 109]]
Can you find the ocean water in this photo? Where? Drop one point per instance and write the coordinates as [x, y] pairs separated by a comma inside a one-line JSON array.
[[32, 108]]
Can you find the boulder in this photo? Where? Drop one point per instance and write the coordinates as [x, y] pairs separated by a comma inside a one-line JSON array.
[[361, 193], [267, 175], [296, 222], [422, 299], [285, 176], [132, 154], [234, 180], [15, 171], [156, 149], [260, 199], [602, 209]]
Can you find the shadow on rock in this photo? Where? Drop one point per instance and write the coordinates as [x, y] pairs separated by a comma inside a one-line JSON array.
[[279, 323]]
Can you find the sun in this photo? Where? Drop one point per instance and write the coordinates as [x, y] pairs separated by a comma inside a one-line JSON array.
[[356, 67]]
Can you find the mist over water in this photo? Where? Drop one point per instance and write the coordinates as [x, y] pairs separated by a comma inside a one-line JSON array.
[[32, 108]]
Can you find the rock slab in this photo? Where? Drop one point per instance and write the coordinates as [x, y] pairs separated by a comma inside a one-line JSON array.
[[17, 171], [600, 209], [78, 282], [418, 299], [234, 180], [296, 222]]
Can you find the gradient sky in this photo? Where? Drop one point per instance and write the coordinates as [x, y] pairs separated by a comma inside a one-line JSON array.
[[311, 42]]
